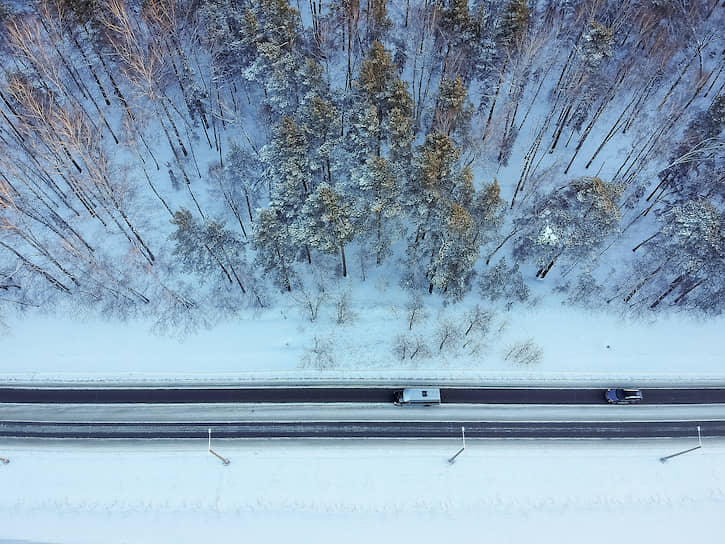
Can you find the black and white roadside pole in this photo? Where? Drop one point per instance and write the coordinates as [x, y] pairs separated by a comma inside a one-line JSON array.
[[222, 459], [699, 445], [459, 452]]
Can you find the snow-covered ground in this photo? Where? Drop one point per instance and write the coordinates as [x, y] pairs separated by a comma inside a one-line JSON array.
[[354, 491], [578, 346]]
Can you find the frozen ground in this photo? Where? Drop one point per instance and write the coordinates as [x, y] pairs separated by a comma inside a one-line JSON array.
[[353, 491]]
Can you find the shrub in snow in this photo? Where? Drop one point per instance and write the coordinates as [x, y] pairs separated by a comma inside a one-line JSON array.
[[476, 324], [309, 299], [319, 355], [524, 352], [343, 308], [416, 311], [411, 347], [448, 335]]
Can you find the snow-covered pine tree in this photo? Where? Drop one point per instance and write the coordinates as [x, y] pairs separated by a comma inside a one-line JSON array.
[[570, 221], [321, 123], [377, 22], [288, 169], [279, 54], [438, 184], [274, 250], [487, 209], [231, 31], [514, 23], [450, 106], [434, 179], [325, 223], [206, 247], [596, 45], [690, 257], [451, 269], [378, 212], [379, 86]]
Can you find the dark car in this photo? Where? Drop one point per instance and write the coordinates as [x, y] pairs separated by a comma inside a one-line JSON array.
[[623, 396]]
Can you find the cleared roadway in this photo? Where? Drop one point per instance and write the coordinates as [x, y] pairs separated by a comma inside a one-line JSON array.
[[367, 429], [353, 412], [343, 395]]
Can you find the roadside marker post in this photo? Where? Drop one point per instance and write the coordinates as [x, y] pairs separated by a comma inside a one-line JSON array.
[[222, 459], [683, 452], [459, 452]]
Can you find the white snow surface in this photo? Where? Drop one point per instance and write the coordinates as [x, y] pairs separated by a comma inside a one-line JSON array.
[[354, 491], [580, 347]]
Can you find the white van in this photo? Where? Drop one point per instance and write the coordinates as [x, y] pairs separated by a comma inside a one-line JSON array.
[[426, 397]]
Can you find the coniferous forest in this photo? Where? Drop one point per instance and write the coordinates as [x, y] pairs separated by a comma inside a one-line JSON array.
[[182, 158]]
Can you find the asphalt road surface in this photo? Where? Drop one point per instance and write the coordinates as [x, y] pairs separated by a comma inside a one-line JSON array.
[[344, 395], [54, 426], [367, 429]]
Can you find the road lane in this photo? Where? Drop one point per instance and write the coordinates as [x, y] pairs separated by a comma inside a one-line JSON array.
[[283, 395], [231, 413], [371, 429]]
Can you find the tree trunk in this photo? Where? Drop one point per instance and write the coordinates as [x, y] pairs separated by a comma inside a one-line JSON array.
[[344, 264]]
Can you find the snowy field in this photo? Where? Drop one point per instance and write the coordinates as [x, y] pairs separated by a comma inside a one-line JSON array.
[[581, 347], [354, 491]]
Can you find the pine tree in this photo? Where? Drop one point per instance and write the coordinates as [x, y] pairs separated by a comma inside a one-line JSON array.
[[274, 252], [232, 33], [596, 45], [288, 168], [380, 86], [438, 198], [206, 247], [363, 134], [325, 223], [570, 221], [488, 209], [451, 269], [379, 212], [321, 123], [514, 23], [278, 33], [504, 282], [451, 107], [378, 22]]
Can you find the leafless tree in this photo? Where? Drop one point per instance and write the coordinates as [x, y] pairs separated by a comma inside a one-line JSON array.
[[524, 352]]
